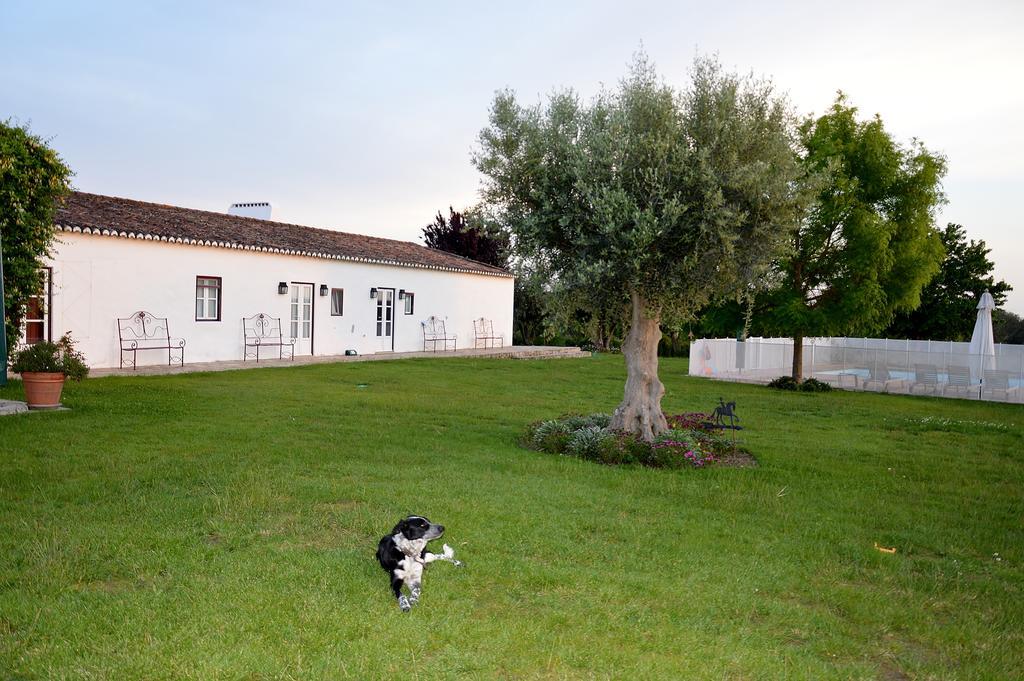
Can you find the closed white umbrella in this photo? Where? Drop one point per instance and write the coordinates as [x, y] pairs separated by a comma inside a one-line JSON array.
[[983, 345]]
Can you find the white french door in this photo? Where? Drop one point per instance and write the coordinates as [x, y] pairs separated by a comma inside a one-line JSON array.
[[302, 317], [385, 319]]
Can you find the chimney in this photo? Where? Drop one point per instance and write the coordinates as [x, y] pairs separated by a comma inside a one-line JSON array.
[[259, 209]]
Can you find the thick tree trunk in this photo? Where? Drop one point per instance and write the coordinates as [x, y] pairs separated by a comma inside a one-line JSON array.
[[798, 357], [640, 411]]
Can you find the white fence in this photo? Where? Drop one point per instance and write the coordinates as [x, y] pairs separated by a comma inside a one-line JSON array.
[[918, 367]]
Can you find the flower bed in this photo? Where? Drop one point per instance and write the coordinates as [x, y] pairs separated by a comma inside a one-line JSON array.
[[690, 442]]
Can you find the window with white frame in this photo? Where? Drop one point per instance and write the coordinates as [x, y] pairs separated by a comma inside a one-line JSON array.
[[409, 297], [207, 299], [337, 302]]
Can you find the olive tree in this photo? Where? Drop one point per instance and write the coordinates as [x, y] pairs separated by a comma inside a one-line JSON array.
[[656, 199]]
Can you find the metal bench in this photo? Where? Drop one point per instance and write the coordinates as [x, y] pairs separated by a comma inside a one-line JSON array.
[[262, 330], [483, 332], [143, 331], [434, 333]]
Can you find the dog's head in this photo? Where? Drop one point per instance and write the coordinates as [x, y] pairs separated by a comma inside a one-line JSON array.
[[417, 527]]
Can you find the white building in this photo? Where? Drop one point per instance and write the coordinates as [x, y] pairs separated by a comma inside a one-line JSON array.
[[206, 271]]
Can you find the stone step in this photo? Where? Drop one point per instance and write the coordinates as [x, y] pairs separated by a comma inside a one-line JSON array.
[[560, 353], [507, 352], [12, 407]]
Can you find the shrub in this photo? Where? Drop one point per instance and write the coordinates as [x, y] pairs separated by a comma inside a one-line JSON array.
[[625, 448], [689, 442], [49, 357], [573, 422], [583, 442], [586, 443], [676, 448], [813, 385], [551, 436], [619, 449], [714, 441], [691, 421], [679, 453], [784, 383], [809, 385]]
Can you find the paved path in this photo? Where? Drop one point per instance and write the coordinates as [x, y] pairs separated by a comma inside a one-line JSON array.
[[513, 352], [12, 407]]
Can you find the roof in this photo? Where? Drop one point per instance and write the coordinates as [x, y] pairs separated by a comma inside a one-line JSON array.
[[111, 216]]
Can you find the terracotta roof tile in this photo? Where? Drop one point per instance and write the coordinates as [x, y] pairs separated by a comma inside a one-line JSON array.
[[93, 213]]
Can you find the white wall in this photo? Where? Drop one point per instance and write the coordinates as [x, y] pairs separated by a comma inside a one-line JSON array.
[[97, 279]]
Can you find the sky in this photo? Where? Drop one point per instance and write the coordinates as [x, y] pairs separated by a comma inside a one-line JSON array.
[[364, 116]]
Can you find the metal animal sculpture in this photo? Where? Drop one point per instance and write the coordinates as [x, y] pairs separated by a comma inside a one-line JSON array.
[[723, 410]]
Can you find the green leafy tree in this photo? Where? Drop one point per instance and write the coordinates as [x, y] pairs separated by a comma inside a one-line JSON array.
[[1007, 327], [949, 302], [474, 234], [867, 245], [528, 311], [33, 181], [652, 199], [583, 315]]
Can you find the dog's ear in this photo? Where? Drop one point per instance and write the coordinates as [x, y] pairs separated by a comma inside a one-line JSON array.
[[413, 527]]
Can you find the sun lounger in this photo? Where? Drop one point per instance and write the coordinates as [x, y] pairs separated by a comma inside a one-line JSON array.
[[926, 377], [879, 376], [997, 383], [959, 380]]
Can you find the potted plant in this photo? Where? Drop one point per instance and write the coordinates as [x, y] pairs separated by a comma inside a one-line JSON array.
[[44, 366]]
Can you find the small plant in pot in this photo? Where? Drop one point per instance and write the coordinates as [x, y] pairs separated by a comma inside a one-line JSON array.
[[44, 366]]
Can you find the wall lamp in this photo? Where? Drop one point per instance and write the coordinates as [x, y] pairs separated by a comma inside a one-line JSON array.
[[282, 287], [323, 289], [373, 293], [401, 294]]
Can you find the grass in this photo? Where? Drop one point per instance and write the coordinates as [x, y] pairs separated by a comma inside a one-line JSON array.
[[211, 526]]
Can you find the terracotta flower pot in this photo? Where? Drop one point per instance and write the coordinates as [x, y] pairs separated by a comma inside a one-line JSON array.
[[42, 390]]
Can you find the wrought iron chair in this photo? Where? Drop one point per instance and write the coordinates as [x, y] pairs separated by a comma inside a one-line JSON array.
[[483, 332], [143, 331], [434, 333], [260, 331]]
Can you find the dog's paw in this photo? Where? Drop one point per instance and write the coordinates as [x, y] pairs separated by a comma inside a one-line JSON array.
[[404, 604], [449, 555]]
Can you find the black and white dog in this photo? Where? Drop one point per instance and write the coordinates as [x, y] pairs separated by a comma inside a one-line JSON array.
[[403, 554]]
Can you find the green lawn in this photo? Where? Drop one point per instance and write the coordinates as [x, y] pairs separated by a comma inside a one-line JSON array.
[[223, 526]]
